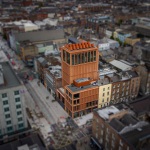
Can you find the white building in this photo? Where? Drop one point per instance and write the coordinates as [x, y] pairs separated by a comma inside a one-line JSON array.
[[103, 45], [12, 107], [109, 32]]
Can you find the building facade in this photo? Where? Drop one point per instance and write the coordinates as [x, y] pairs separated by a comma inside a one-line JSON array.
[[80, 101], [12, 108], [120, 90], [104, 92], [116, 128], [131, 40], [122, 36], [53, 78], [79, 61], [79, 77]]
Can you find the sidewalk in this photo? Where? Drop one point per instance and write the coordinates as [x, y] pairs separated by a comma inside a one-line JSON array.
[[54, 107]]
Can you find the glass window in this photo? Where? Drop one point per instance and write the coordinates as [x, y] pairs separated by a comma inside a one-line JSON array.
[[20, 119], [76, 95], [67, 91], [76, 58], [17, 99], [79, 60], [9, 129], [7, 116], [6, 109], [73, 60], [70, 95], [83, 58], [94, 55], [68, 58], [64, 55], [89, 55], [18, 106], [16, 92], [19, 112], [5, 102], [4, 95], [8, 122], [20, 125]]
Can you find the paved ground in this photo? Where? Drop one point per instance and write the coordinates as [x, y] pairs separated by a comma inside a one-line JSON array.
[[48, 102], [43, 108]]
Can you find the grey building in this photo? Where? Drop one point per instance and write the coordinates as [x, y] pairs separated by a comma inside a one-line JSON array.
[[56, 36], [12, 107], [53, 78]]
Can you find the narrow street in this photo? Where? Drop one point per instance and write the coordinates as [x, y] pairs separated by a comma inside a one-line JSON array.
[[46, 112]]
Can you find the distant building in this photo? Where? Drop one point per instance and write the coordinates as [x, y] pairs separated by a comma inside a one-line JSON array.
[[120, 65], [26, 3], [96, 22], [141, 51], [93, 7], [56, 36], [144, 74], [103, 44], [109, 32], [116, 127], [143, 29], [42, 64], [131, 40], [123, 35], [141, 108], [12, 108]]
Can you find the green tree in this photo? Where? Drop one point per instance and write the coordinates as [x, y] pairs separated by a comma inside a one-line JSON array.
[[120, 22], [112, 36], [119, 41]]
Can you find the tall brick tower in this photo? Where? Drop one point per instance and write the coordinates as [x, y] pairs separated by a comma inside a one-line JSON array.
[[79, 61]]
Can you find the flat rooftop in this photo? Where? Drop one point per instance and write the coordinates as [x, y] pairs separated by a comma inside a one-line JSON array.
[[120, 65], [106, 71], [104, 113], [141, 106], [31, 141], [10, 78], [74, 88]]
